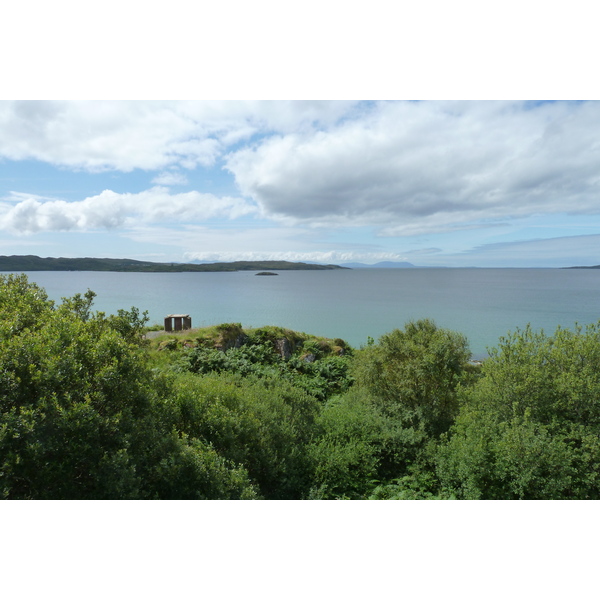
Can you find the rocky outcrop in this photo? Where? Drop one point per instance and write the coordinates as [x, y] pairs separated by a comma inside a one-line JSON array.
[[231, 342], [284, 348], [227, 336]]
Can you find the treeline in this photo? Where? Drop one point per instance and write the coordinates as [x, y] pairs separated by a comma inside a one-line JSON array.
[[90, 409], [35, 263]]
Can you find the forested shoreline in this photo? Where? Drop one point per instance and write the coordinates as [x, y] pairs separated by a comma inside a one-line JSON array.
[[91, 409], [127, 265]]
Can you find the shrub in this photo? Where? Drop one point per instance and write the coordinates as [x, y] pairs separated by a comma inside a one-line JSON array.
[[530, 427], [81, 414], [415, 373]]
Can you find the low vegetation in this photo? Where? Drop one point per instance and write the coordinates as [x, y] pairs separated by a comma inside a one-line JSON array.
[[93, 407]]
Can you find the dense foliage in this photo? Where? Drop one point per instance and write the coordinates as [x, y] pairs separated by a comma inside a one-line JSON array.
[[321, 376], [83, 416], [90, 408], [530, 427]]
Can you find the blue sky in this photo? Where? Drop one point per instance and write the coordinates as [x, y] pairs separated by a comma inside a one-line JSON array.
[[435, 183]]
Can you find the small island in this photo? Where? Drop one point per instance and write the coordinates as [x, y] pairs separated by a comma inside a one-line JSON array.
[[266, 273]]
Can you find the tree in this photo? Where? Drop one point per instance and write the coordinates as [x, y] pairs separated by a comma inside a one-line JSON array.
[[83, 416], [530, 427], [358, 446], [263, 425], [414, 374]]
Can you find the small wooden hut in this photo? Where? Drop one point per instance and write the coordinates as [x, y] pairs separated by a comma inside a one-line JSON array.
[[178, 322]]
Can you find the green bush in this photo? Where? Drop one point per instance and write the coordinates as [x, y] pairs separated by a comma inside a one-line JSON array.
[[530, 427], [82, 416], [359, 446], [264, 426], [414, 374]]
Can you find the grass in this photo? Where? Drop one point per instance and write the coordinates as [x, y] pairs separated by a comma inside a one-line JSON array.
[[228, 335]]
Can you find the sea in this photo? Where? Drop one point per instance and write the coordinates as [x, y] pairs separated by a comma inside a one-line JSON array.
[[352, 304]]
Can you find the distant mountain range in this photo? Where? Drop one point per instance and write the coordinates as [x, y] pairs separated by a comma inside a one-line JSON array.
[[35, 263]]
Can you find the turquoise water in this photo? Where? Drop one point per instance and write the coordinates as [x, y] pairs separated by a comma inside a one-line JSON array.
[[483, 304]]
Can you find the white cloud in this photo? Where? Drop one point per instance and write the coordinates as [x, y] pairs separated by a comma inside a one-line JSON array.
[[110, 210], [413, 168], [101, 136]]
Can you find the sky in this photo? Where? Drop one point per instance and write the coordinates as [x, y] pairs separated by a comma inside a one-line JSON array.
[[435, 183]]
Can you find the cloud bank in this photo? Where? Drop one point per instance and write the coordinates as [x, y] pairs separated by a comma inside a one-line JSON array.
[[405, 168], [110, 210], [104, 136], [413, 168]]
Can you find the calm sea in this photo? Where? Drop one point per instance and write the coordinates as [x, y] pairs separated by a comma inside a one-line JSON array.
[[483, 304]]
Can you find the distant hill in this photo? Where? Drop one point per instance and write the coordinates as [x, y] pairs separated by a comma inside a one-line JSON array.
[[594, 267], [35, 263], [381, 265]]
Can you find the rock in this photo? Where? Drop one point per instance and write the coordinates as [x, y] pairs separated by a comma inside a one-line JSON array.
[[237, 342], [284, 348]]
